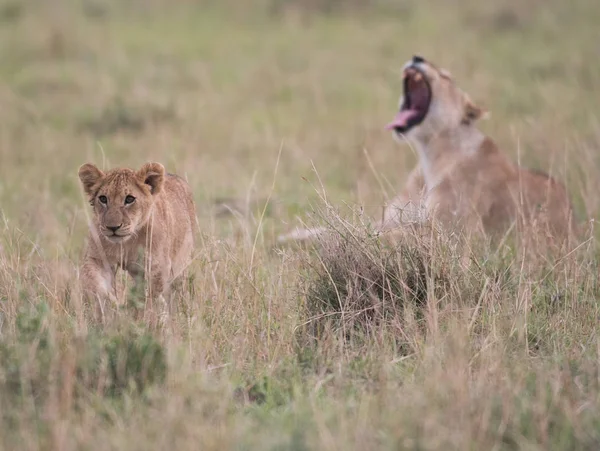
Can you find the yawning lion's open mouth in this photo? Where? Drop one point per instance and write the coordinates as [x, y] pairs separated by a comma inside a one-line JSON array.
[[417, 97]]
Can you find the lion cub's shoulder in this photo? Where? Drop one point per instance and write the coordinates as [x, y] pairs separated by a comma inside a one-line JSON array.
[[178, 195]]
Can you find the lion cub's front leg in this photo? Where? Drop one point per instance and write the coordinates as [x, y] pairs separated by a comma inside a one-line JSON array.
[[159, 290], [158, 281], [154, 269], [98, 283]]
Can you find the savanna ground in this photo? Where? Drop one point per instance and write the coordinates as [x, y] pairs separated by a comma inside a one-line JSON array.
[[286, 101]]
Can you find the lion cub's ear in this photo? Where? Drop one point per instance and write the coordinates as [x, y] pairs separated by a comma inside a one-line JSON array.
[[89, 175], [153, 175], [473, 112]]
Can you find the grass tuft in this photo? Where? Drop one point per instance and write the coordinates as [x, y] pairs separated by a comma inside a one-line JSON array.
[[358, 282]]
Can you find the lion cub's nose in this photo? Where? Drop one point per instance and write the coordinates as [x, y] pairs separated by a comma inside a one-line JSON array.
[[113, 229], [418, 59]]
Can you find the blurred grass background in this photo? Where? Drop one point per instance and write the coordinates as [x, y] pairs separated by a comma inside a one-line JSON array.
[[216, 90]]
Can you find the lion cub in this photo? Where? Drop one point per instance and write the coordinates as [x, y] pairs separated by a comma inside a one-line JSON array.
[[143, 222]]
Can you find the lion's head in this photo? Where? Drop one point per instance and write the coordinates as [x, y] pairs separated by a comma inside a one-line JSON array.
[[122, 199], [431, 102]]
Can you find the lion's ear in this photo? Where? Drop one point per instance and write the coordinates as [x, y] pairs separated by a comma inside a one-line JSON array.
[[472, 112], [90, 175], [153, 175]]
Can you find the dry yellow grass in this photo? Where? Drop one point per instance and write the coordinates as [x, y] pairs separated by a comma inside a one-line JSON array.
[[288, 107]]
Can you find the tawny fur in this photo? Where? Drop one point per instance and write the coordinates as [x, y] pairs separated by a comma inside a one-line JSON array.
[[463, 179], [157, 228]]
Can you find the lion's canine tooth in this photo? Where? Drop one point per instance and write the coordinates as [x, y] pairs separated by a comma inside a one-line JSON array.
[[418, 76]]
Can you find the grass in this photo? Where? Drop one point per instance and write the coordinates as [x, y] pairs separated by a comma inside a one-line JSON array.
[[489, 355]]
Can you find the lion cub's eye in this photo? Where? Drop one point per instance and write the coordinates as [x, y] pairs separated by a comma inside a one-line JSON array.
[[103, 199], [129, 200]]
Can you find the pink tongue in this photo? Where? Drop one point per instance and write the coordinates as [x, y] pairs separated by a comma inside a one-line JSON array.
[[401, 119]]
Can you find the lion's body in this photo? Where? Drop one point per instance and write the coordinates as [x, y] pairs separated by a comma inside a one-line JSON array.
[[157, 228], [482, 191]]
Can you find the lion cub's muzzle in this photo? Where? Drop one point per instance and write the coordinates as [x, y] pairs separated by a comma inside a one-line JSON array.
[[116, 233]]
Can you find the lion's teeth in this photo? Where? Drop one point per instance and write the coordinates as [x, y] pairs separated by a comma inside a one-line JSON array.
[[418, 76]]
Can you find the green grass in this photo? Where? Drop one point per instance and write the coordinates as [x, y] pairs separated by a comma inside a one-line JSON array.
[[498, 356]]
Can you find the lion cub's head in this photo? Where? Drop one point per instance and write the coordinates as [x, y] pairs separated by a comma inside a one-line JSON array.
[[431, 102], [122, 199]]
